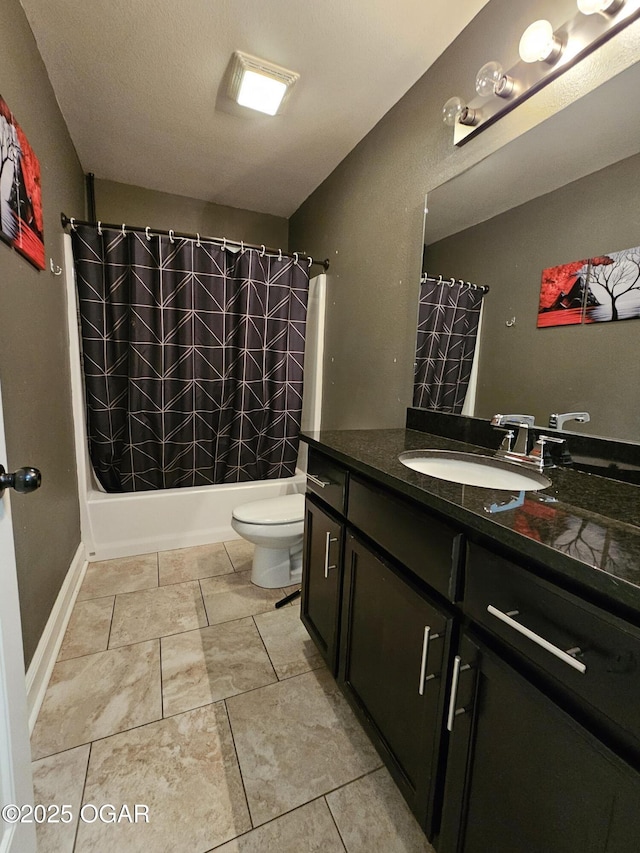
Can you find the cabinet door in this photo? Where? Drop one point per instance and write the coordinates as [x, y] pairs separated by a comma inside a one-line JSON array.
[[322, 580], [393, 648], [523, 776]]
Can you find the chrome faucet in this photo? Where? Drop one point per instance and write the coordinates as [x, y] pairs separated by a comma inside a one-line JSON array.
[[523, 450], [557, 421]]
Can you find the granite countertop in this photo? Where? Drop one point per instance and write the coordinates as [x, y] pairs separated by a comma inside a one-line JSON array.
[[583, 527]]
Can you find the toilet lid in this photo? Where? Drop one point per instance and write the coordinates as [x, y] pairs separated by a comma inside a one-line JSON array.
[[282, 510]]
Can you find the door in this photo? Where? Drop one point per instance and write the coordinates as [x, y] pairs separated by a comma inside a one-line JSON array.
[[523, 776], [15, 754], [322, 580], [392, 664]]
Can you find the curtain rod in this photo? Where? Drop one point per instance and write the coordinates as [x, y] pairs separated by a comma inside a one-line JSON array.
[[451, 281], [70, 221]]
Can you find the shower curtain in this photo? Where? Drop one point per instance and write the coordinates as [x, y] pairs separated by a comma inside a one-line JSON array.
[[448, 318], [193, 359]]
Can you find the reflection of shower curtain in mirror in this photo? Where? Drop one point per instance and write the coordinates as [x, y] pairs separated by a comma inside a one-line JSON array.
[[193, 359], [447, 330]]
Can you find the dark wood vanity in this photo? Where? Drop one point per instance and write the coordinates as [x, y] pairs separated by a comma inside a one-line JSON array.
[[497, 675]]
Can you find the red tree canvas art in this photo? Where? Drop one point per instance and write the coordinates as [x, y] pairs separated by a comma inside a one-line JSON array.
[[21, 222], [597, 290]]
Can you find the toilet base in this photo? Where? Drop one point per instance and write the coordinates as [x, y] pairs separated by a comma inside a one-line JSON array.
[[274, 568]]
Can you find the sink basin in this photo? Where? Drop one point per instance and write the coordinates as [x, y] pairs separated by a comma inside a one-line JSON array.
[[473, 470]]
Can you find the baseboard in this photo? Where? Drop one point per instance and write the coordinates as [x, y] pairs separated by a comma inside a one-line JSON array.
[[46, 653]]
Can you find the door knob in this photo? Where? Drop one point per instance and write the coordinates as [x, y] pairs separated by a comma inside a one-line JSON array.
[[24, 480]]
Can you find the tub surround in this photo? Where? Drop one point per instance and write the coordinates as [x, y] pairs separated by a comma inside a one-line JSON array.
[[604, 563]]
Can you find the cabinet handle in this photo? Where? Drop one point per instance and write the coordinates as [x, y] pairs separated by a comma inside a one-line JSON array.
[[540, 641], [423, 663], [318, 481], [327, 546], [457, 669]]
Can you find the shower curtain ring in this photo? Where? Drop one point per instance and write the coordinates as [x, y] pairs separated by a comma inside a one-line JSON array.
[[147, 232], [279, 254], [263, 250], [439, 279], [124, 233], [198, 240], [171, 236], [452, 282], [242, 245], [72, 223], [224, 243], [100, 228], [295, 258], [310, 259]]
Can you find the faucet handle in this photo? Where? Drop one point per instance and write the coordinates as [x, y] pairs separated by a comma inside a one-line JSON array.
[[542, 453]]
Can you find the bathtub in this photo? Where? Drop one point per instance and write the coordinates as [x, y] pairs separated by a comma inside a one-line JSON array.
[[128, 524]]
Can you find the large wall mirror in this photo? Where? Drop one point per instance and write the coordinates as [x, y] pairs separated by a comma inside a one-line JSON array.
[[566, 190]]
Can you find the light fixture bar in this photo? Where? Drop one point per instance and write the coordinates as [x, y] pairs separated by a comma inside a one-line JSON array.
[[579, 37]]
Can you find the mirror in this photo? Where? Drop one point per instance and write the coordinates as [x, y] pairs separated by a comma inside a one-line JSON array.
[[566, 190]]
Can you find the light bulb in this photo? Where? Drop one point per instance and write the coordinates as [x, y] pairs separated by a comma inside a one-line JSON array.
[[451, 111], [591, 7], [539, 44], [488, 78]]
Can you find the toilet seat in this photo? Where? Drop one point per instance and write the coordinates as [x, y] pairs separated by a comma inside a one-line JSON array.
[[283, 510]]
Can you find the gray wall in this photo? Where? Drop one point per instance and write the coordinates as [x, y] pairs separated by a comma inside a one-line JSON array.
[[34, 359], [116, 203], [367, 216], [568, 368]]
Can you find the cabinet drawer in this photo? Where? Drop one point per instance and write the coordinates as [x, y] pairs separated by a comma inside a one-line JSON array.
[[544, 622], [327, 480], [424, 544]]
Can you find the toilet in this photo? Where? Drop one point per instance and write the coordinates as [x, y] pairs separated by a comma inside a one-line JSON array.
[[275, 526]]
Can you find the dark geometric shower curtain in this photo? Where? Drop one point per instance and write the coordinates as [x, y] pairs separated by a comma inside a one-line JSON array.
[[193, 360], [447, 329]]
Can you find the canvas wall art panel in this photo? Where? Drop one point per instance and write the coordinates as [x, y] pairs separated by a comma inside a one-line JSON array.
[[562, 294], [21, 221]]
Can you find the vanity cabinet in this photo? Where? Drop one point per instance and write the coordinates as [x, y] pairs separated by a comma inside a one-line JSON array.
[[504, 703], [522, 775], [322, 579], [394, 651]]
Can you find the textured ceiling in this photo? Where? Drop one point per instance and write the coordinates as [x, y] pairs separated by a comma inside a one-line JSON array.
[[139, 83]]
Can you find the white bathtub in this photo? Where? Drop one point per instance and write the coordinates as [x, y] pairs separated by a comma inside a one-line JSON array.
[[123, 525]]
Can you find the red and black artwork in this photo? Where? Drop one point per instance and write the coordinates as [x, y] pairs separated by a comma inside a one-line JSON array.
[[601, 289], [20, 190]]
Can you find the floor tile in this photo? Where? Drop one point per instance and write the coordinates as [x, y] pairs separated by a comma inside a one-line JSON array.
[[109, 577], [234, 596], [59, 780], [240, 553], [309, 829], [372, 815], [97, 695], [186, 564], [200, 667], [296, 740], [88, 628], [290, 647], [157, 612], [184, 769]]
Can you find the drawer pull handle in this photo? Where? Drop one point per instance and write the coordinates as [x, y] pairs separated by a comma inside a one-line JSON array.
[[566, 657], [327, 546], [453, 713], [318, 481]]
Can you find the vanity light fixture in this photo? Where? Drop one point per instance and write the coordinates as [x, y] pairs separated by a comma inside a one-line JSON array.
[[545, 53], [592, 7], [539, 43], [258, 84], [491, 80]]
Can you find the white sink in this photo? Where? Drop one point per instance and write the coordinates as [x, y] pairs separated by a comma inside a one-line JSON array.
[[473, 470]]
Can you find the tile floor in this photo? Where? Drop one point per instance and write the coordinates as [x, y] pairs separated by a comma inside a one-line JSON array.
[[179, 687]]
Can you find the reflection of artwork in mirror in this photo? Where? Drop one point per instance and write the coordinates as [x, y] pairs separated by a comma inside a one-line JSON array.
[[591, 291], [614, 287], [562, 294]]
